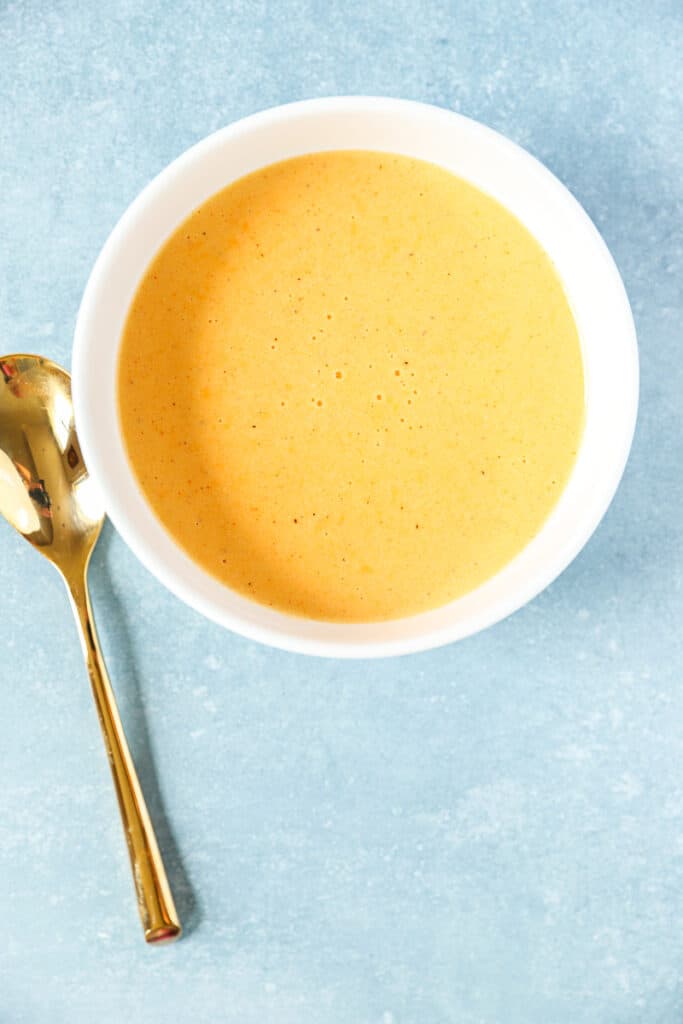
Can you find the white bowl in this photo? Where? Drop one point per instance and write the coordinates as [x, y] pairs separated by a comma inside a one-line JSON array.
[[492, 163]]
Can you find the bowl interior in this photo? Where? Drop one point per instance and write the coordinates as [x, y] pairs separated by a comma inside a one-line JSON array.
[[496, 166]]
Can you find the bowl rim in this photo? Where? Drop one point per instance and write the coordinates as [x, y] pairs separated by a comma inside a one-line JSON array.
[[350, 640]]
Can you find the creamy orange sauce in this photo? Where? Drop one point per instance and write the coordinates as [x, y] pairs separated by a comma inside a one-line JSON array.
[[351, 387]]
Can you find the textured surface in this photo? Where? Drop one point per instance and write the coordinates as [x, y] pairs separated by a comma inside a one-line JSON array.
[[488, 833], [321, 460]]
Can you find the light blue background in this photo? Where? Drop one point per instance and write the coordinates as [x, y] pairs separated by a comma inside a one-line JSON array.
[[492, 832]]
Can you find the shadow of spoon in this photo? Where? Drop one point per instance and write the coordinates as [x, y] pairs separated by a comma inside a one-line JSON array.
[[117, 619]]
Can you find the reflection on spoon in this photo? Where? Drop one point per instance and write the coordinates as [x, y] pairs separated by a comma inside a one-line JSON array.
[[15, 500]]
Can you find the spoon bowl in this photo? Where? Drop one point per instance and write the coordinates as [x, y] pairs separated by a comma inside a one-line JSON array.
[[48, 496], [45, 490]]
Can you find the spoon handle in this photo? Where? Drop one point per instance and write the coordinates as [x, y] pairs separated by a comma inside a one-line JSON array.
[[155, 901]]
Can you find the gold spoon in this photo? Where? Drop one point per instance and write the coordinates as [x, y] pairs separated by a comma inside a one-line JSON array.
[[47, 495]]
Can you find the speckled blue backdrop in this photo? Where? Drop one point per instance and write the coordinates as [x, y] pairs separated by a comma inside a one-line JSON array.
[[491, 833]]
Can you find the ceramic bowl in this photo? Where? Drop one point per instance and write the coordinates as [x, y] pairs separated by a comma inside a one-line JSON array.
[[495, 165]]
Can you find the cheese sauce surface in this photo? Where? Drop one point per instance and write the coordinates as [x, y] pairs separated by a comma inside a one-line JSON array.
[[350, 386]]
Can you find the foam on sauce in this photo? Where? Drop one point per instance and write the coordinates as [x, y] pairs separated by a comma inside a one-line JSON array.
[[351, 386]]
